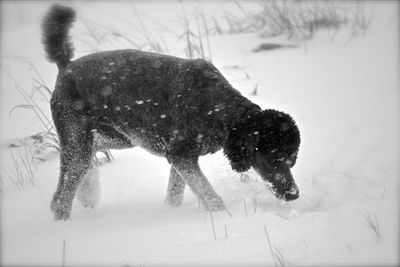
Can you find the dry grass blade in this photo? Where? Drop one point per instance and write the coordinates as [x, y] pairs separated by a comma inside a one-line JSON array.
[[187, 33], [194, 42], [245, 207], [63, 253], [42, 140], [200, 39], [207, 32], [39, 88], [24, 106], [227, 211], [299, 20], [213, 227], [32, 105], [279, 257], [150, 40], [255, 204], [372, 223], [22, 174], [27, 167], [270, 245], [30, 102]]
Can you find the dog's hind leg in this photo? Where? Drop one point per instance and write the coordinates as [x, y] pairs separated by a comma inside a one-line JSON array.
[[193, 176], [89, 189], [76, 143], [176, 189]]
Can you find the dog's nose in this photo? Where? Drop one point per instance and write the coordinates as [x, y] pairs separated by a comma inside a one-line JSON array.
[[292, 194]]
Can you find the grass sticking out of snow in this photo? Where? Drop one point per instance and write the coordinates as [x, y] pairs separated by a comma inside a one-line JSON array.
[[373, 224]]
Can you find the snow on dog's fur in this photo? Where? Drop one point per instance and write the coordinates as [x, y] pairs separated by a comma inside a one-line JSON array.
[[176, 108], [89, 188]]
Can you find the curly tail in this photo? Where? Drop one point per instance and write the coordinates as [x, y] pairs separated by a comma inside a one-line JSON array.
[[55, 37]]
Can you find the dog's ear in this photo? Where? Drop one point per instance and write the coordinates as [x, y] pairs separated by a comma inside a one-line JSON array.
[[240, 146]]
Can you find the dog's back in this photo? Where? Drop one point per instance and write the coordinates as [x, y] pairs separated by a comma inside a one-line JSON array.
[[135, 74]]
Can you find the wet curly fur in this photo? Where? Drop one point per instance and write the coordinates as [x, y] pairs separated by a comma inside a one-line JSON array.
[[266, 131], [176, 108]]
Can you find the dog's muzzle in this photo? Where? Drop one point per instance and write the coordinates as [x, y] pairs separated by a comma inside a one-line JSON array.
[[289, 195]]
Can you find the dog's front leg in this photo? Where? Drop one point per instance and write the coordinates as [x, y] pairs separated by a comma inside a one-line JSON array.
[[196, 180], [176, 189]]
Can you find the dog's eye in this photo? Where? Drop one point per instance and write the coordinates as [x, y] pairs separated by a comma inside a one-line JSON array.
[[277, 158]]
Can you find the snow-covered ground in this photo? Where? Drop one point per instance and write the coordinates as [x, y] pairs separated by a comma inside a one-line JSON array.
[[343, 93]]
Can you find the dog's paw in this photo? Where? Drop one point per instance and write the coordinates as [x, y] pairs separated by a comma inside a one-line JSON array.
[[214, 204], [174, 198], [61, 209], [173, 201]]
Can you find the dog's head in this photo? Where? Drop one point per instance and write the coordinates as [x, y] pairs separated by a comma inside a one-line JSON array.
[[269, 142]]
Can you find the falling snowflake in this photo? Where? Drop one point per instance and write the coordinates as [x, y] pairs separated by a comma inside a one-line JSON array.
[[106, 91], [199, 138]]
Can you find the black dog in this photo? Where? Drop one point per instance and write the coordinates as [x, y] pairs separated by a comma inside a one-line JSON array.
[[177, 108]]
